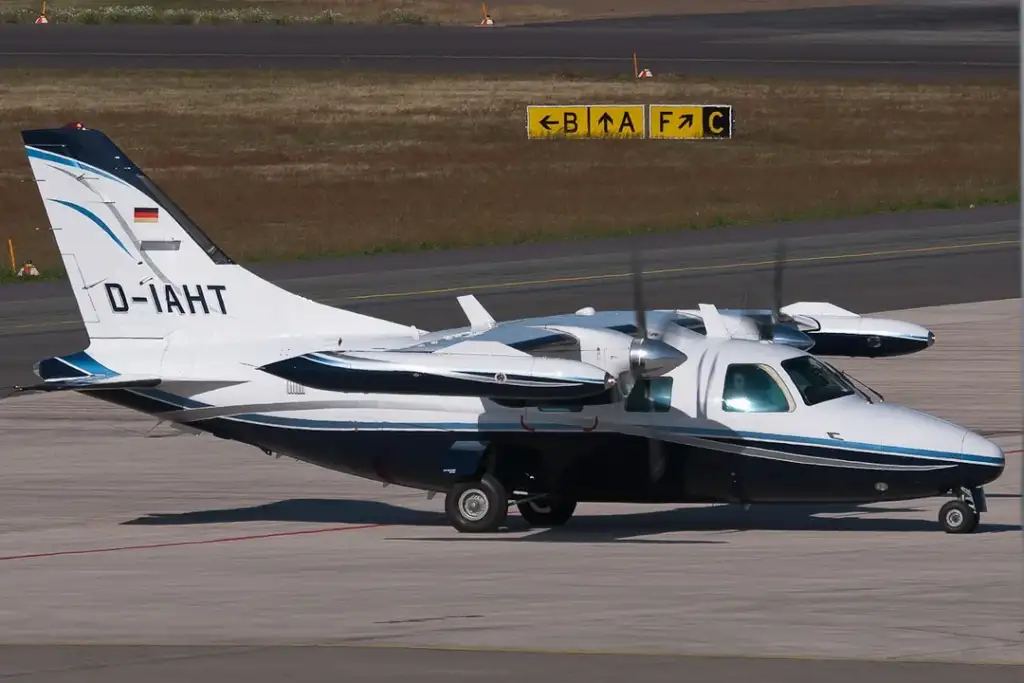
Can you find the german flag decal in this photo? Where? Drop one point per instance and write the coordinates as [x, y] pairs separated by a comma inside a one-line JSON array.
[[147, 215]]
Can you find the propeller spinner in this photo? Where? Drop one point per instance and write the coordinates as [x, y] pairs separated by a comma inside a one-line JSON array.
[[648, 357]]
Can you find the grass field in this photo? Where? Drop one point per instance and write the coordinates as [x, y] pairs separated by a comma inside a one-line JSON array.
[[285, 165], [386, 11]]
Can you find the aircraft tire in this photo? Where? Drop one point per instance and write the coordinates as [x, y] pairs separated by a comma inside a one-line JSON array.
[[548, 511], [477, 506], [957, 517]]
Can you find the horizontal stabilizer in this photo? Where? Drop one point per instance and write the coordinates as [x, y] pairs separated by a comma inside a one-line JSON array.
[[95, 383]]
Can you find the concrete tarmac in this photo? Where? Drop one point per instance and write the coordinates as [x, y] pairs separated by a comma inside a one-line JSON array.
[[188, 558], [921, 41]]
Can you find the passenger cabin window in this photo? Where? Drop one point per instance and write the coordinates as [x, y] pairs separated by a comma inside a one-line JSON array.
[[817, 382], [753, 389]]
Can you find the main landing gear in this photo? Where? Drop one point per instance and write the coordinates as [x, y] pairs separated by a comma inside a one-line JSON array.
[[547, 511], [962, 516], [477, 506], [482, 507]]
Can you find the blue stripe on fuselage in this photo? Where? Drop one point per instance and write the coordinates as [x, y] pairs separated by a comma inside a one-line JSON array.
[[347, 425]]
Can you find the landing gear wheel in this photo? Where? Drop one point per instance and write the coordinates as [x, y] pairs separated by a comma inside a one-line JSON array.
[[957, 517], [477, 506], [547, 511]]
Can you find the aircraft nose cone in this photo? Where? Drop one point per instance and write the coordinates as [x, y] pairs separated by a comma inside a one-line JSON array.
[[977, 449], [931, 338]]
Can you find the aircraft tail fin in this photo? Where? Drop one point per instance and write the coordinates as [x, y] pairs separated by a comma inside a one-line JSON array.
[[140, 268]]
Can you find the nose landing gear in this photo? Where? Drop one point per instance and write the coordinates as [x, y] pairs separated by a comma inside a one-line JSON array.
[[962, 516]]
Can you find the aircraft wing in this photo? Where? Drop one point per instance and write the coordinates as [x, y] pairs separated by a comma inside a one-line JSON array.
[[484, 369]]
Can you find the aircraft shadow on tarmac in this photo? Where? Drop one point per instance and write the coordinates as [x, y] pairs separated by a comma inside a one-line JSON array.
[[582, 528]]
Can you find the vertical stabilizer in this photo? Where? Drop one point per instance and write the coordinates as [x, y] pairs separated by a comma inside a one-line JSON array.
[[141, 269]]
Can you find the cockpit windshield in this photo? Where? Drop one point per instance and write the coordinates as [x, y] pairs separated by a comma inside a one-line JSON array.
[[817, 382]]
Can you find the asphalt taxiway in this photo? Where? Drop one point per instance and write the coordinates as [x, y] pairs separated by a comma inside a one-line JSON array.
[[918, 40], [169, 558]]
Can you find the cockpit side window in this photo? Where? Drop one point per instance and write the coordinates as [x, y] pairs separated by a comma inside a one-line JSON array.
[[816, 381], [751, 388]]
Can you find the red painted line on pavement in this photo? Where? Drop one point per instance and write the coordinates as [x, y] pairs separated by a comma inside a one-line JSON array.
[[175, 544]]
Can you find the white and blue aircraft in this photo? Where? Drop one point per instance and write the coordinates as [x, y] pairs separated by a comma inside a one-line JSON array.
[[543, 413]]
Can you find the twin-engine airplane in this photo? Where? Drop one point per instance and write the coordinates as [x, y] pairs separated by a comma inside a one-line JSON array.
[[629, 406]]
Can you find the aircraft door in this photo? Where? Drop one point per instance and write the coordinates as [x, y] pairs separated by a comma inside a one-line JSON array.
[[750, 401]]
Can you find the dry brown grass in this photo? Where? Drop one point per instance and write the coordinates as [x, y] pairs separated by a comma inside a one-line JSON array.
[[455, 11], [280, 164]]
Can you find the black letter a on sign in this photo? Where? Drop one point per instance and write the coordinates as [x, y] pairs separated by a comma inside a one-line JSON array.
[[627, 120]]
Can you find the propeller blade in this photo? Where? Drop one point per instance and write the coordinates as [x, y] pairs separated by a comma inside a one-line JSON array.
[[638, 296], [780, 260]]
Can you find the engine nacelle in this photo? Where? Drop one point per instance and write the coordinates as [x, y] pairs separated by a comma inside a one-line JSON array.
[[460, 370], [838, 332]]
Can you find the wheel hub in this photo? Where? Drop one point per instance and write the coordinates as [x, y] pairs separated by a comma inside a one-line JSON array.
[[473, 505], [954, 518]]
